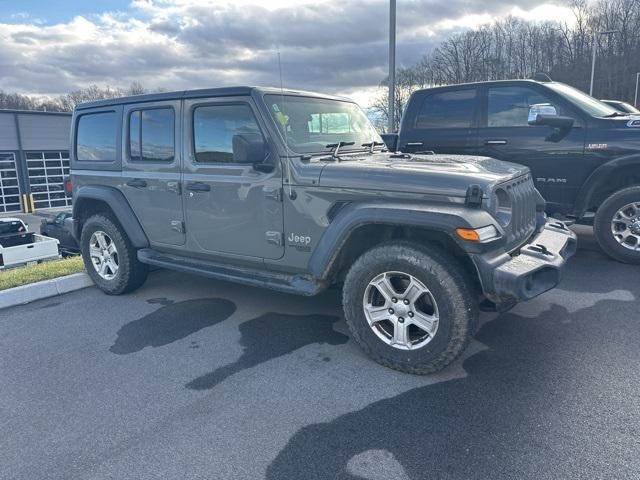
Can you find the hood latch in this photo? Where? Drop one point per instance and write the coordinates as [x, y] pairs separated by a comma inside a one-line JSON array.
[[474, 196]]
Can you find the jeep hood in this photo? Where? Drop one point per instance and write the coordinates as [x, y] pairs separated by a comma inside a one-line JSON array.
[[435, 174]]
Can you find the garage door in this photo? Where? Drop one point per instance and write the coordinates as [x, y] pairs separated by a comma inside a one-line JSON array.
[[47, 171], [9, 190]]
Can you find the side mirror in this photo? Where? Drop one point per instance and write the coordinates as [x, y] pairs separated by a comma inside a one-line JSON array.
[[391, 141], [546, 114], [248, 148]]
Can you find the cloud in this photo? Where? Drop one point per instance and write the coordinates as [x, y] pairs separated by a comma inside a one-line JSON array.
[[177, 44]]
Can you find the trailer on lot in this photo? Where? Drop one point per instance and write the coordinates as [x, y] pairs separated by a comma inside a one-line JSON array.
[[19, 247]]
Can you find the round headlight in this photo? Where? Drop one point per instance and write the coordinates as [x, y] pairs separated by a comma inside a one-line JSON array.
[[502, 208]]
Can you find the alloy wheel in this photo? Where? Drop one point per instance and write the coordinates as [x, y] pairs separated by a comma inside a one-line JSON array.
[[401, 310], [625, 226], [104, 255]]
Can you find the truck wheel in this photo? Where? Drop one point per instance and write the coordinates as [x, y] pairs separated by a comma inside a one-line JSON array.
[[617, 225], [109, 258], [410, 308]]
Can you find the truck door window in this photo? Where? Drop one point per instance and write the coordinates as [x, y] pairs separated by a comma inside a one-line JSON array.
[[214, 127], [451, 109], [151, 135], [509, 106]]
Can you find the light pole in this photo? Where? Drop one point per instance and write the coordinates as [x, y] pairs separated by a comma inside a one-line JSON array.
[[593, 60], [635, 101], [392, 64]]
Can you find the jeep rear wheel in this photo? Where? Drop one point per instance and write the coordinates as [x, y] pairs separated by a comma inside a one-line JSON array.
[[109, 258], [410, 308], [617, 225]]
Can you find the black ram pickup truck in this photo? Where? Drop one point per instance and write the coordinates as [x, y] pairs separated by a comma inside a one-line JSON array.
[[584, 154]]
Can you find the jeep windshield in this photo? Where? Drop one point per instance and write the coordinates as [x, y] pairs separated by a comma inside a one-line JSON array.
[[311, 125], [583, 101]]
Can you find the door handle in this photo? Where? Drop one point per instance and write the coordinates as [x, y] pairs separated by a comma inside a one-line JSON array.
[[137, 183], [414, 144], [198, 187], [495, 142]]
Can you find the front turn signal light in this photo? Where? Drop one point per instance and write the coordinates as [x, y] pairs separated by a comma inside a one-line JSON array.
[[477, 234]]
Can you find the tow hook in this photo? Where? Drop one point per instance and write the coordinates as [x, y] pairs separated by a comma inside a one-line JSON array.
[[559, 226], [539, 248]]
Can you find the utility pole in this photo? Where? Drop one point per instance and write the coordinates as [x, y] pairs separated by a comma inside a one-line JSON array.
[[635, 101], [392, 65], [593, 59]]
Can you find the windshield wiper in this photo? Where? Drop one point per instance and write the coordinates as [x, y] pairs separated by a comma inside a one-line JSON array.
[[336, 148], [372, 145], [615, 114]]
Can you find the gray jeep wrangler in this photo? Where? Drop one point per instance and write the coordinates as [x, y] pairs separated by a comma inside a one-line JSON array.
[[294, 191]]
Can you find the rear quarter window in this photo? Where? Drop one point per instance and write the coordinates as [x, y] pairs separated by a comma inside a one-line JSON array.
[[96, 137]]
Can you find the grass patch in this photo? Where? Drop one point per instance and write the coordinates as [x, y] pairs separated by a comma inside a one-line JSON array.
[[43, 271]]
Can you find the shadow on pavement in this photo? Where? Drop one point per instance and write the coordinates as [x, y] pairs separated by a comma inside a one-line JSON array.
[[555, 395], [272, 335], [171, 322]]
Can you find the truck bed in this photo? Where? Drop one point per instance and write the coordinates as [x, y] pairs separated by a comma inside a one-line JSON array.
[[20, 248]]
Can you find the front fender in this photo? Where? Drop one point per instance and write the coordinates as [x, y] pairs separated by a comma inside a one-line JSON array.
[[118, 204], [599, 179], [433, 217]]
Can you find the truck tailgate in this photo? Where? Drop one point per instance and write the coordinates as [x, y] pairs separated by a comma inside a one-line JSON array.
[[42, 248]]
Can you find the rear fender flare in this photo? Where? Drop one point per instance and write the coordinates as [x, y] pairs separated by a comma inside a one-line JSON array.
[[118, 205]]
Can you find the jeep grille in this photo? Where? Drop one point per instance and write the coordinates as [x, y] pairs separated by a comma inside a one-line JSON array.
[[523, 196]]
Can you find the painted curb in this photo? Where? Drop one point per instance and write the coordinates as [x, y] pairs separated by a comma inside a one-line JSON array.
[[45, 289]]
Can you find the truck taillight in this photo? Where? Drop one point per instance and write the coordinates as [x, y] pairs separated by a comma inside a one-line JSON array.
[[68, 186]]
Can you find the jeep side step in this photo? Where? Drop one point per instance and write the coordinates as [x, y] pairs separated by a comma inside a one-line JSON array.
[[296, 284]]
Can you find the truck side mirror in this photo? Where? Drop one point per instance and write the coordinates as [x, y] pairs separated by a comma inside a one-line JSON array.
[[391, 141], [546, 114], [248, 148]]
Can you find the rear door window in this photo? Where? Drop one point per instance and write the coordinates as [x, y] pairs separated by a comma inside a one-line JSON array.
[[151, 135], [450, 109], [96, 137]]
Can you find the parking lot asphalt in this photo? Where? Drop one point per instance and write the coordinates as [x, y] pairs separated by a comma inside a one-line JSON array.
[[193, 378]]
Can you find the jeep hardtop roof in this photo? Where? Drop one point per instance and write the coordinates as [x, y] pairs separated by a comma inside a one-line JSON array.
[[205, 92]]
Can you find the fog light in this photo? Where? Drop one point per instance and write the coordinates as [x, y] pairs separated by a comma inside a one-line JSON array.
[[477, 234]]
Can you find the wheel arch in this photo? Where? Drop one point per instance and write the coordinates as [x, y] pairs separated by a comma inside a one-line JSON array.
[[358, 228], [608, 178], [94, 199]]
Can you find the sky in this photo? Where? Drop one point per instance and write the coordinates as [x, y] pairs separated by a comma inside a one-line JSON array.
[[56, 46]]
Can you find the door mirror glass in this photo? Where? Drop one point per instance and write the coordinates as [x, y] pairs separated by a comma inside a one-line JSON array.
[[248, 148], [544, 109]]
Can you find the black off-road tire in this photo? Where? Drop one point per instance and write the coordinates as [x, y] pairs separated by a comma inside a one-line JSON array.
[[448, 282], [604, 218], [131, 272]]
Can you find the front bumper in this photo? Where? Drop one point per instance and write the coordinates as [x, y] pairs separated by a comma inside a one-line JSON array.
[[537, 267]]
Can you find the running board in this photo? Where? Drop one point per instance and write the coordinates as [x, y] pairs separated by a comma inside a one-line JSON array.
[[296, 284]]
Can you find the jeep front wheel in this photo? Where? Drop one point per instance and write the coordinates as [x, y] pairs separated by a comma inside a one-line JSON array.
[[109, 258], [617, 225], [409, 307]]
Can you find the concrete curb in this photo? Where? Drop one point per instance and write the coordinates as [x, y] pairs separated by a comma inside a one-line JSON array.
[[45, 289]]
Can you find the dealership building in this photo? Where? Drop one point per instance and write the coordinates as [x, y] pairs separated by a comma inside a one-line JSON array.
[[34, 159]]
